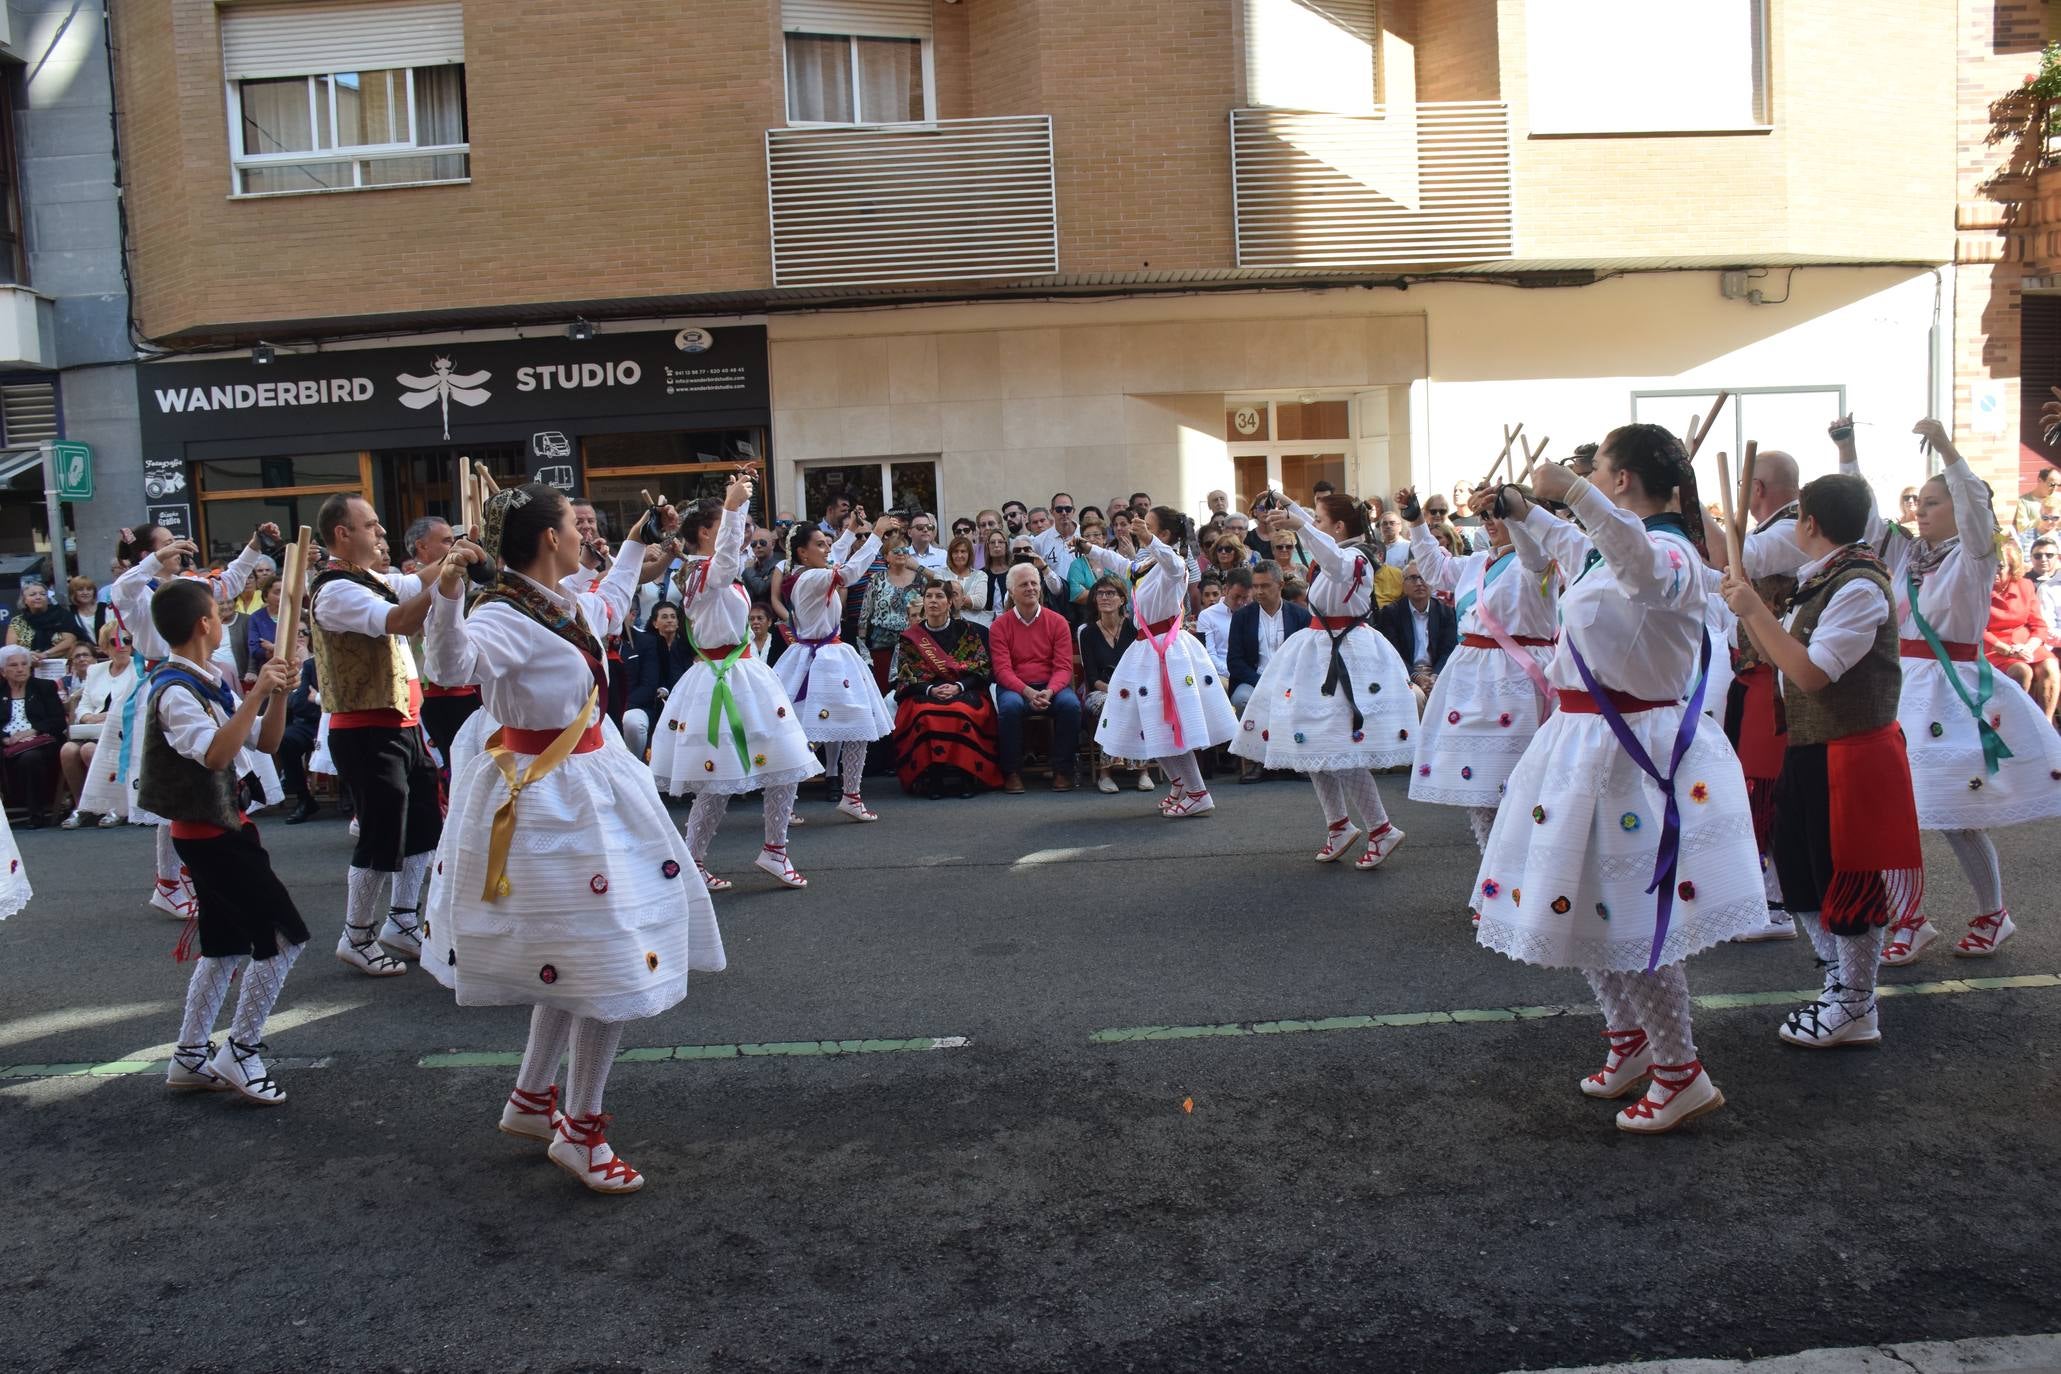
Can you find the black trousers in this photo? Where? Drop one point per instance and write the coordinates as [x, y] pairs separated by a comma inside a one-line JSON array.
[[393, 789], [242, 907], [444, 717], [295, 745]]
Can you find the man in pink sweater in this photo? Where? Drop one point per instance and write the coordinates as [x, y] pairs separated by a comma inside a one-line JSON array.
[[1032, 648]]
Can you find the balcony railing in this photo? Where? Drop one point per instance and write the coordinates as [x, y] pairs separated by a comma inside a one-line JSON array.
[[1411, 185], [887, 204]]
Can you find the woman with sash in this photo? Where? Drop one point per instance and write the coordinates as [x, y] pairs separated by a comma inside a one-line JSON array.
[[1982, 755], [831, 686], [1492, 695], [560, 882], [1334, 701], [1164, 702], [1624, 844], [728, 726], [945, 725]]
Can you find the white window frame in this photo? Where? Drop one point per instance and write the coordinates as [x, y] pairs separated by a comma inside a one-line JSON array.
[[241, 161], [851, 41], [887, 465], [1274, 450]]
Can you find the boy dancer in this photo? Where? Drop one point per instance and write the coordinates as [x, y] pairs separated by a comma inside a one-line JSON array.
[[194, 734], [1845, 838]]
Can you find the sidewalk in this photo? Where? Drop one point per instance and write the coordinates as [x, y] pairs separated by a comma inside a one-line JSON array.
[[1988, 1354]]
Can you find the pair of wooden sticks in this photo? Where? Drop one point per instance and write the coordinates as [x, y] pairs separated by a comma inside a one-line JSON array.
[[1513, 438]]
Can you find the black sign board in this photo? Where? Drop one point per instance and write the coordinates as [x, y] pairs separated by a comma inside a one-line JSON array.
[[455, 392], [177, 519]]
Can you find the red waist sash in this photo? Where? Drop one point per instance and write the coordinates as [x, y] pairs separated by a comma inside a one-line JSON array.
[[537, 741], [1486, 642], [1582, 704], [1339, 622], [1918, 648], [719, 652]]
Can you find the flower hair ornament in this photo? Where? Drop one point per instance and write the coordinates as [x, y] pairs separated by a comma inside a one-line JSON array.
[[495, 518]]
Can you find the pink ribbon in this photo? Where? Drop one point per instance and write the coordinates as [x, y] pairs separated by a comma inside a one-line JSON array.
[[1548, 693], [1160, 645]]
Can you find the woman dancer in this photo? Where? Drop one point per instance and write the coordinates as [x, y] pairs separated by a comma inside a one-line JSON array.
[[728, 726], [1492, 695], [830, 685], [1164, 702], [106, 698], [1624, 843], [1982, 754], [1334, 701], [558, 878]]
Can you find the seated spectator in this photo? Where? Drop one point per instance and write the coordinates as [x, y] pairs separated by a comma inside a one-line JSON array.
[[34, 731], [1101, 643], [1032, 649], [663, 658], [1438, 515], [260, 629], [47, 631], [1423, 629], [1229, 552], [1213, 622], [77, 754], [84, 599], [1287, 552], [1257, 629], [924, 550], [1295, 591], [1081, 576], [891, 602], [946, 732], [768, 641], [962, 528], [2018, 640], [2046, 578], [297, 742], [96, 724], [1395, 540], [761, 565]]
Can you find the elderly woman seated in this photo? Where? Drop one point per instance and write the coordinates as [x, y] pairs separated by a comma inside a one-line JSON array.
[[945, 725], [34, 728]]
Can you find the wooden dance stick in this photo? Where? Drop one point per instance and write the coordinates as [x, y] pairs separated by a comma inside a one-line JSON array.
[[1531, 457], [1698, 433], [1733, 545], [1509, 441], [293, 583], [468, 511], [1745, 497]]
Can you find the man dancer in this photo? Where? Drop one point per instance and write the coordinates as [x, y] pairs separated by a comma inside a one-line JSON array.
[[358, 618], [1753, 710], [444, 709]]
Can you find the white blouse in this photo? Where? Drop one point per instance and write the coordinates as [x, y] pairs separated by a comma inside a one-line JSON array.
[[132, 591], [1159, 585], [1955, 595], [718, 609], [1343, 586], [817, 599], [528, 677], [1522, 599]]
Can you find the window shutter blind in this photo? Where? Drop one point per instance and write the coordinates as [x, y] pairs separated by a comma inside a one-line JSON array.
[[28, 413], [1312, 55], [863, 18], [303, 36]]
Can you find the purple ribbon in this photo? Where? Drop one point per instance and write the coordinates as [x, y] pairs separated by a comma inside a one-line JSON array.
[[811, 645], [1666, 858]]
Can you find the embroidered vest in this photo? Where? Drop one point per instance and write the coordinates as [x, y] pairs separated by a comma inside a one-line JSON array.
[[1865, 698], [1775, 590], [357, 672], [174, 786]]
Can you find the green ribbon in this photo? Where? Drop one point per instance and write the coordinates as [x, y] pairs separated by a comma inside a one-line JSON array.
[[1994, 749], [723, 702]]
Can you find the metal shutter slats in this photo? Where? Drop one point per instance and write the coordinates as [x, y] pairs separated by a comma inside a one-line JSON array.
[[295, 39]]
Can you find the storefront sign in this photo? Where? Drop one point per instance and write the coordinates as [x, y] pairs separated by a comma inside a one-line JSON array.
[[455, 392], [163, 479], [74, 464], [177, 519]]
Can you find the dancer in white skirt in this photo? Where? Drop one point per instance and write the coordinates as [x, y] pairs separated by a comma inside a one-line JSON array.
[[830, 685], [560, 882], [1492, 695], [14, 878], [728, 726], [1982, 754], [1334, 701], [1624, 843], [1165, 702], [106, 694], [157, 556]]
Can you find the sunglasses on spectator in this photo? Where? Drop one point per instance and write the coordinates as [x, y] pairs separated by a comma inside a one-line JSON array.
[[1062, 510], [1434, 510]]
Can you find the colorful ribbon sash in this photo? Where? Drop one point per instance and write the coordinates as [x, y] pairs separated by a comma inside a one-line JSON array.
[[1548, 693], [1994, 750], [1161, 638], [722, 702], [503, 833]]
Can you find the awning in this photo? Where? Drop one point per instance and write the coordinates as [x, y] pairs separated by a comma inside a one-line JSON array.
[[16, 461]]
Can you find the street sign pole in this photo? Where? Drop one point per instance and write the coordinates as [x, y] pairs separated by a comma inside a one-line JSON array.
[[59, 574]]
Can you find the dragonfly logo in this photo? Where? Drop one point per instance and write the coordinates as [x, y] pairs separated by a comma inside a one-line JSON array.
[[442, 387]]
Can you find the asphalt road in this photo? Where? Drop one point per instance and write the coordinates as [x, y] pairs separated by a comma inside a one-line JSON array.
[[1431, 1196]]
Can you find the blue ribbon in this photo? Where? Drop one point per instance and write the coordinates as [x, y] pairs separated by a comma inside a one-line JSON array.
[[145, 672], [1495, 570], [1667, 857]]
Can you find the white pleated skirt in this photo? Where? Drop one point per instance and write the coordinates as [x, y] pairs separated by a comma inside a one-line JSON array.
[[1482, 714], [1953, 788], [1133, 724], [1290, 723], [833, 694], [683, 758]]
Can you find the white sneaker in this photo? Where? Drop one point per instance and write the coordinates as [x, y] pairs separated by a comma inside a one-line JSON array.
[[242, 1068], [1780, 926], [1907, 940], [774, 861], [402, 933], [579, 1147], [189, 1071], [1832, 1021], [1675, 1095], [1629, 1061], [532, 1116], [1380, 845], [1337, 839], [854, 806], [369, 958], [1985, 933]]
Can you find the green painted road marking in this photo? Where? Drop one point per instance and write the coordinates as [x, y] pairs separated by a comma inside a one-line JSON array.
[[129, 1068], [780, 1049], [1714, 1001]]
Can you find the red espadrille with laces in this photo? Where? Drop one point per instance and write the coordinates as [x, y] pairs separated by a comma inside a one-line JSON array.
[[773, 859], [1337, 840], [580, 1147], [533, 1116], [1676, 1094], [1985, 933], [1629, 1060], [1907, 939]]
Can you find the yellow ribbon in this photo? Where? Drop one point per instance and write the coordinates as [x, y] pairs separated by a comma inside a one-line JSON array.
[[557, 752]]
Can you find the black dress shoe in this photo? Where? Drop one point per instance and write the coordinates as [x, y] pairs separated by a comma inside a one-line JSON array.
[[300, 813], [1251, 772], [33, 821]]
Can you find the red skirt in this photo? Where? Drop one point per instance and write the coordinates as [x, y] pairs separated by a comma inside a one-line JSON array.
[[936, 740]]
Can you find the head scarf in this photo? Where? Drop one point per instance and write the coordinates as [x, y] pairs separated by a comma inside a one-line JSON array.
[[496, 517]]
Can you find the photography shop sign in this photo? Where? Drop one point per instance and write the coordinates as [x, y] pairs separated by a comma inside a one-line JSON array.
[[454, 392]]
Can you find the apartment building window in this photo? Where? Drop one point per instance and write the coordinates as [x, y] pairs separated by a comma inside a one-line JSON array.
[[239, 494], [1320, 55], [1633, 66], [858, 61], [335, 97], [1290, 443]]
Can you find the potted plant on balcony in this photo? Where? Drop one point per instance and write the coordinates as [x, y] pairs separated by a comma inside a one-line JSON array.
[[2031, 115]]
